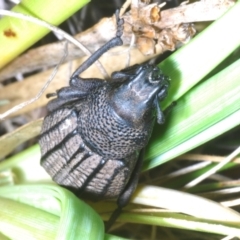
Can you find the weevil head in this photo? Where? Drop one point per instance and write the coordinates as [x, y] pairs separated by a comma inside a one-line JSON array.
[[138, 95]]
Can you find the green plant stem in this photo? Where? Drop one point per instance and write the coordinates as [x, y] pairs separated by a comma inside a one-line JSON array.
[[18, 35]]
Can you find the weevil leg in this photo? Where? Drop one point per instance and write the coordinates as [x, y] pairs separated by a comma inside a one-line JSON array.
[[64, 95], [86, 85], [76, 91], [161, 115], [163, 93], [79, 87], [70, 93], [49, 95], [127, 192], [58, 102], [116, 41]]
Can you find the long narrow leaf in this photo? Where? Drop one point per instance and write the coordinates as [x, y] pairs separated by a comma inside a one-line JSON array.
[[18, 35], [205, 112]]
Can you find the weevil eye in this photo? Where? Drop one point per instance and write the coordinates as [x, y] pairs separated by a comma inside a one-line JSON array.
[[155, 75]]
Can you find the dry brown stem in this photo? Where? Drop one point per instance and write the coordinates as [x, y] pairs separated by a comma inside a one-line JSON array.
[[170, 27]]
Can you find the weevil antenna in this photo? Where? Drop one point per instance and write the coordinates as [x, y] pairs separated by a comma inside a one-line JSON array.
[[160, 114], [116, 41]]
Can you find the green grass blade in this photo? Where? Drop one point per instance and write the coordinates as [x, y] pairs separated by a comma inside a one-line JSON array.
[[183, 222], [49, 208], [211, 107], [25, 167], [205, 112], [192, 205], [21, 221], [18, 35]]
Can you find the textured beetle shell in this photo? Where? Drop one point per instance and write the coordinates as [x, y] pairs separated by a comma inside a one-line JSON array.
[[91, 139], [106, 132], [99, 171]]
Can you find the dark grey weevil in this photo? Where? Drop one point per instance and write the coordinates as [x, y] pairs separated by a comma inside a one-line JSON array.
[[93, 138]]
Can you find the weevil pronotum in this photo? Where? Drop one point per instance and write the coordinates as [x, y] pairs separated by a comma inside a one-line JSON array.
[[93, 138]]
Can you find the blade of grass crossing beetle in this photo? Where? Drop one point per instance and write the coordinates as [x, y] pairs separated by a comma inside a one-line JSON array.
[[78, 219], [183, 222], [193, 205], [198, 116]]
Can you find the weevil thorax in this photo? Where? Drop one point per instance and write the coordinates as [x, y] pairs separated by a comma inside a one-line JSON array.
[[117, 119]]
